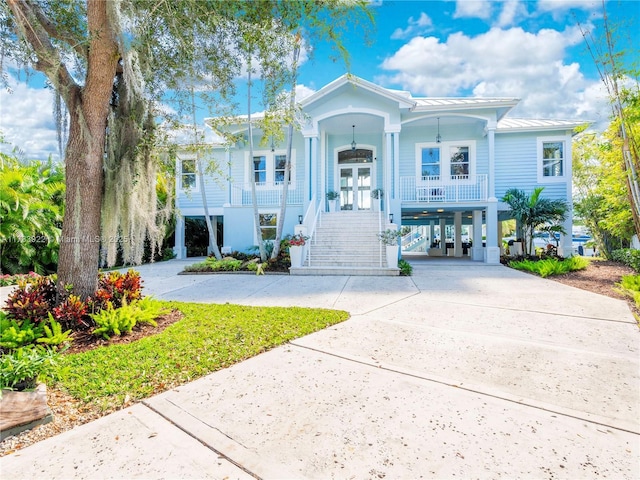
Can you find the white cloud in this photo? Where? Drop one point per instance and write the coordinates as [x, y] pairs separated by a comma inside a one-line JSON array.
[[511, 9], [27, 121], [553, 5], [422, 25], [502, 63], [473, 9], [302, 92]]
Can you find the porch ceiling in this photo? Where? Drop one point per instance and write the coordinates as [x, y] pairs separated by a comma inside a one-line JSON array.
[[341, 124], [422, 216]]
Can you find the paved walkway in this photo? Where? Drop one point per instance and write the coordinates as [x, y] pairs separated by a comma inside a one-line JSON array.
[[463, 370]]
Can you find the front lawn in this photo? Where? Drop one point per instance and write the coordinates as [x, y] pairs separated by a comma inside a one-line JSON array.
[[208, 338]]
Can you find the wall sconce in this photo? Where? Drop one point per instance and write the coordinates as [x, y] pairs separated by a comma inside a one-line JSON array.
[[391, 218], [300, 219]]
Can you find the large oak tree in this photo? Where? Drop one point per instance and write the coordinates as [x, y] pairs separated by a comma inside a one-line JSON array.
[[86, 47]]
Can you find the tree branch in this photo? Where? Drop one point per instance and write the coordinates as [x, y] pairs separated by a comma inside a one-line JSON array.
[[77, 44], [48, 58]]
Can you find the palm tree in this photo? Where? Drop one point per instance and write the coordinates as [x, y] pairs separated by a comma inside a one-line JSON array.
[[532, 212]]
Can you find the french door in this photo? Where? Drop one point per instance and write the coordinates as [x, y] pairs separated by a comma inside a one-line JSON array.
[[355, 187]]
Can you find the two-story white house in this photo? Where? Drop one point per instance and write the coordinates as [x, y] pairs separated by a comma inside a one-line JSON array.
[[439, 163]]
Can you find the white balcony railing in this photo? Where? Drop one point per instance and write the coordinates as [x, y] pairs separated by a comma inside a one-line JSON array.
[[266, 194], [454, 189]]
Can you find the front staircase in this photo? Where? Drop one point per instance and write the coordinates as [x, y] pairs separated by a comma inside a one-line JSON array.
[[346, 243]]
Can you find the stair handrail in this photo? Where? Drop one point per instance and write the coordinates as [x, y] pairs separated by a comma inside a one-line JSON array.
[[310, 221]]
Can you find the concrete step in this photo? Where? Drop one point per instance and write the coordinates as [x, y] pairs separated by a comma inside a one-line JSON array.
[[356, 271], [346, 243]]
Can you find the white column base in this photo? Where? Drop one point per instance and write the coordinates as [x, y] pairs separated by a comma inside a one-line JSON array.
[[477, 254], [492, 255], [180, 252]]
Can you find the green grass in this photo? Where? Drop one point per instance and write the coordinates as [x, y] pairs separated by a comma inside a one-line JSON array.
[[551, 266], [208, 338]]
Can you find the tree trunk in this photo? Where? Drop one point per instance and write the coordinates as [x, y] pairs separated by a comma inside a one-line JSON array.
[[88, 109]]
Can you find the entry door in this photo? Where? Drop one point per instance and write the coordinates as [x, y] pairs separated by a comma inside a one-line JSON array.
[[355, 187]]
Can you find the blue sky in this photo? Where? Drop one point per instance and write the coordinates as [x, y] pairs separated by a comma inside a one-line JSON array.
[[531, 50]]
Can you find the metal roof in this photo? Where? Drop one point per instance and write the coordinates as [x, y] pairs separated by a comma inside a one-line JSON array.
[[528, 124]]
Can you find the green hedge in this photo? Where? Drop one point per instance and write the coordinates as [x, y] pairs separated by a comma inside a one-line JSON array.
[[628, 256]]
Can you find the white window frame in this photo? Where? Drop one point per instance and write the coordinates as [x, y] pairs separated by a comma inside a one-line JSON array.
[[445, 159], [565, 159], [196, 186], [266, 212], [270, 158]]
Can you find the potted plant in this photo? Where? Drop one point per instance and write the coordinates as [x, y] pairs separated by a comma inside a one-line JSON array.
[[332, 197], [389, 239], [377, 194], [296, 248]]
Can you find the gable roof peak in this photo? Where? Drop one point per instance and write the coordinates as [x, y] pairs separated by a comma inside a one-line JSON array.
[[403, 98]]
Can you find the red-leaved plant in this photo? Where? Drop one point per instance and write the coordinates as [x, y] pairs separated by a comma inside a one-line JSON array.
[[116, 287], [32, 300]]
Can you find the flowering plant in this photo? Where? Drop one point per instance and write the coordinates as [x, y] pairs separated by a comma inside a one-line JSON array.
[[297, 240]]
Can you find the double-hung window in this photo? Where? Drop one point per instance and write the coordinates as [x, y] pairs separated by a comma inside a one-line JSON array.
[[280, 164], [260, 169], [430, 162], [446, 161], [268, 225], [459, 162], [268, 169], [552, 158], [188, 174]]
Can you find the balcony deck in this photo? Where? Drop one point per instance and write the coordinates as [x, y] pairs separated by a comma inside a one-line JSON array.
[[266, 194], [434, 189]]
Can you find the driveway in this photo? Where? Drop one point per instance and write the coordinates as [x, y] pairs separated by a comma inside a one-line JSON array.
[[462, 370]]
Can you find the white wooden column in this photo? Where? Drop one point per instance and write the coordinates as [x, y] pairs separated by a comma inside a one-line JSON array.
[[432, 233], [491, 135], [443, 236], [457, 227], [179, 248], [566, 241], [477, 250], [492, 251], [313, 167]]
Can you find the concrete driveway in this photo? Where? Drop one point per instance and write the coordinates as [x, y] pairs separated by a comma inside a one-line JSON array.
[[461, 371]]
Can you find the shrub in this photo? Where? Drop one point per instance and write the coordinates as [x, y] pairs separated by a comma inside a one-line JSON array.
[[21, 368], [32, 300], [197, 267], [15, 334], [630, 285], [550, 266], [227, 264], [73, 313], [628, 256], [54, 336], [8, 279], [113, 321], [405, 268], [115, 288], [119, 321]]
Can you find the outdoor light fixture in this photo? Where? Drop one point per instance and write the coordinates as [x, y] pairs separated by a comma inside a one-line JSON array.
[[353, 142], [273, 146], [391, 218], [300, 219], [438, 136]]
